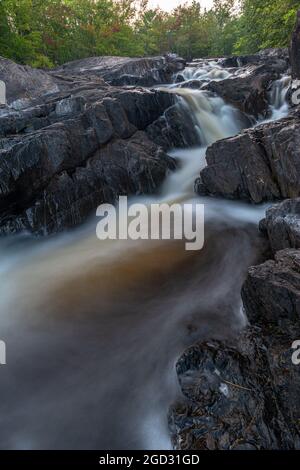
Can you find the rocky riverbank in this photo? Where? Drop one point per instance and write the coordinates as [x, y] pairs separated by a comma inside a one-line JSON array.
[[244, 393], [70, 140]]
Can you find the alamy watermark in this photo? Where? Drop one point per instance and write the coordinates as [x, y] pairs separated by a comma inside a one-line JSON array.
[[2, 93], [2, 353], [152, 222], [295, 96], [296, 353]]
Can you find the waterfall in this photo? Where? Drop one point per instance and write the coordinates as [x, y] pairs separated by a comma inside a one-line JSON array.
[[214, 120], [277, 98], [204, 70]]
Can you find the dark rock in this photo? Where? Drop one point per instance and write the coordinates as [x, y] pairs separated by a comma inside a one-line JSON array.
[[143, 107], [23, 82], [249, 92], [200, 188], [243, 394], [237, 396], [271, 292], [295, 50], [65, 152], [269, 56], [257, 165], [175, 128], [282, 225], [179, 78], [58, 187], [120, 71]]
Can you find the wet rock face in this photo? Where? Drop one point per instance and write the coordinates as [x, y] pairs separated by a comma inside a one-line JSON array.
[[271, 292], [23, 82], [272, 57], [76, 137], [59, 160], [230, 404], [244, 394], [260, 164], [282, 225], [237, 397], [120, 71], [174, 129], [295, 50], [249, 91], [65, 192]]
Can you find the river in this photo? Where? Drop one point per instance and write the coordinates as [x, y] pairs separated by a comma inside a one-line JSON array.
[[93, 329]]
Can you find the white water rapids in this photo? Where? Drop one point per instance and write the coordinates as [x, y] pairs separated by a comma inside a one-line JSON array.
[[93, 329]]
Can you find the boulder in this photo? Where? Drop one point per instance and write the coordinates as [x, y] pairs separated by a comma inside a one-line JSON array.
[[118, 71], [270, 56], [271, 292], [249, 91], [282, 225], [24, 83], [238, 395], [174, 129], [260, 164]]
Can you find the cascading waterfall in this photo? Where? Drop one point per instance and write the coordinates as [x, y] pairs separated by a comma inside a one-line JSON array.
[[205, 70], [278, 102], [93, 329], [213, 119]]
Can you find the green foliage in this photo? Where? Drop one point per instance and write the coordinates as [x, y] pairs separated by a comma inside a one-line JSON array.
[[44, 33], [265, 23]]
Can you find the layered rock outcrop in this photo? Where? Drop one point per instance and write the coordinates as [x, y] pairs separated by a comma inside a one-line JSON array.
[[146, 71], [243, 394], [260, 164], [62, 158], [282, 225], [70, 141], [24, 83], [249, 91]]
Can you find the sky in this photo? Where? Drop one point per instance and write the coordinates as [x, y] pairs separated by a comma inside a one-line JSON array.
[[168, 5]]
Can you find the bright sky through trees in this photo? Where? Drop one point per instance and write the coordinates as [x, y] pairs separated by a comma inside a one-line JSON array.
[[168, 5]]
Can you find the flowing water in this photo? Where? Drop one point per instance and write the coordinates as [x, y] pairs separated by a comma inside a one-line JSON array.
[[93, 329]]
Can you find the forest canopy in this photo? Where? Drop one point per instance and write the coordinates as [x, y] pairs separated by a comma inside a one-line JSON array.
[[45, 33]]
